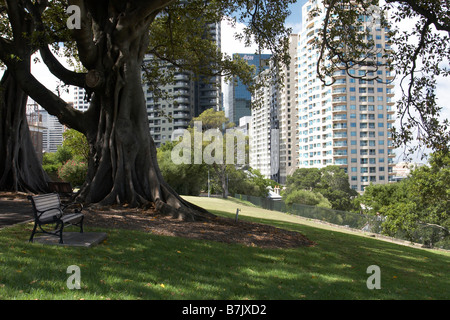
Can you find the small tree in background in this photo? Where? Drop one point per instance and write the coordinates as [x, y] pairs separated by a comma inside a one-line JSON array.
[[74, 172]]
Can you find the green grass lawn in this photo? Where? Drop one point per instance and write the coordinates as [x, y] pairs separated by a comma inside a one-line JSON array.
[[137, 265]]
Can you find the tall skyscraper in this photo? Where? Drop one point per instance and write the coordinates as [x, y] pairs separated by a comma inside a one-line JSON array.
[[239, 104], [208, 89], [345, 124], [52, 133], [273, 126], [187, 98], [79, 101], [287, 113], [264, 130]]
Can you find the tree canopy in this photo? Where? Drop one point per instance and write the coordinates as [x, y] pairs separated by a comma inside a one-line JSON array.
[[420, 200], [331, 182]]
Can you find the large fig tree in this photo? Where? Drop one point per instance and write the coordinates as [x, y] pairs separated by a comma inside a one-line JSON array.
[[111, 42]]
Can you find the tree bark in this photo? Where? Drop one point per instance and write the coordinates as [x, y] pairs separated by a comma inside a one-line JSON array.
[[20, 168]]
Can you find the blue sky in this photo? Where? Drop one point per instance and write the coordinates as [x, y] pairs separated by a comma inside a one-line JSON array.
[[294, 20]]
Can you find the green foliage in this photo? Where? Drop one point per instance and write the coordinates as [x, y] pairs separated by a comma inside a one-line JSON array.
[[76, 143], [422, 200], [306, 197], [186, 179], [69, 162], [335, 187], [178, 37], [331, 182], [212, 119], [249, 182], [73, 172], [51, 162], [191, 179]]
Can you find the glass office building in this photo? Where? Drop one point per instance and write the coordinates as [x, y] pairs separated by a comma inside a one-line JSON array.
[[240, 100]]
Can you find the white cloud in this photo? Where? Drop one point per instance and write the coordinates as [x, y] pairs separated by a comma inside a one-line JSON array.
[[229, 44]]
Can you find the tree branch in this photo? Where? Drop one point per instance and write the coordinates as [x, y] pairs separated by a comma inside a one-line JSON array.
[[420, 46], [15, 19], [427, 14], [84, 37], [58, 70], [55, 106], [20, 70]]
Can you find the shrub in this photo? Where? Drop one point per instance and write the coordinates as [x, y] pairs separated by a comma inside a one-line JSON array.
[[73, 172], [306, 197]]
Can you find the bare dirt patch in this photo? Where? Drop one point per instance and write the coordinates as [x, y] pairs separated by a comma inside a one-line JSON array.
[[216, 229]]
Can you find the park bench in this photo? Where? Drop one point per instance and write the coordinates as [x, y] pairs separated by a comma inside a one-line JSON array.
[[47, 210]]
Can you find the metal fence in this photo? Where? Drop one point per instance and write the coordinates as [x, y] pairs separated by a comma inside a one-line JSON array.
[[427, 235]]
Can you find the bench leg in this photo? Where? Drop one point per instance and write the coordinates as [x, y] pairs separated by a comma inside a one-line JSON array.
[[60, 233], [33, 232], [81, 224]]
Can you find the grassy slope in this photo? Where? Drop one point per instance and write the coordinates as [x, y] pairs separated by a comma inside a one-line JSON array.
[[135, 265]]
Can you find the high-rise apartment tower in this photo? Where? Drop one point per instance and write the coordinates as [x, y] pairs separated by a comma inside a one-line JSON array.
[[345, 124]]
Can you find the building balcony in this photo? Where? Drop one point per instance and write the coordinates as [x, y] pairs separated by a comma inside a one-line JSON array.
[[340, 126], [339, 91], [340, 144], [339, 99], [181, 92], [340, 161], [181, 116], [339, 117], [180, 123], [181, 100], [181, 77], [391, 155], [340, 155], [341, 74], [390, 111], [340, 135], [181, 84], [339, 109], [340, 82], [182, 107]]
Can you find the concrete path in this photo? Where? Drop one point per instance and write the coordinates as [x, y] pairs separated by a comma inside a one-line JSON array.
[[73, 239], [15, 211]]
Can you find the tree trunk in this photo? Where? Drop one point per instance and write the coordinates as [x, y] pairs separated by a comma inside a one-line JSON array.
[[123, 165], [20, 168]]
